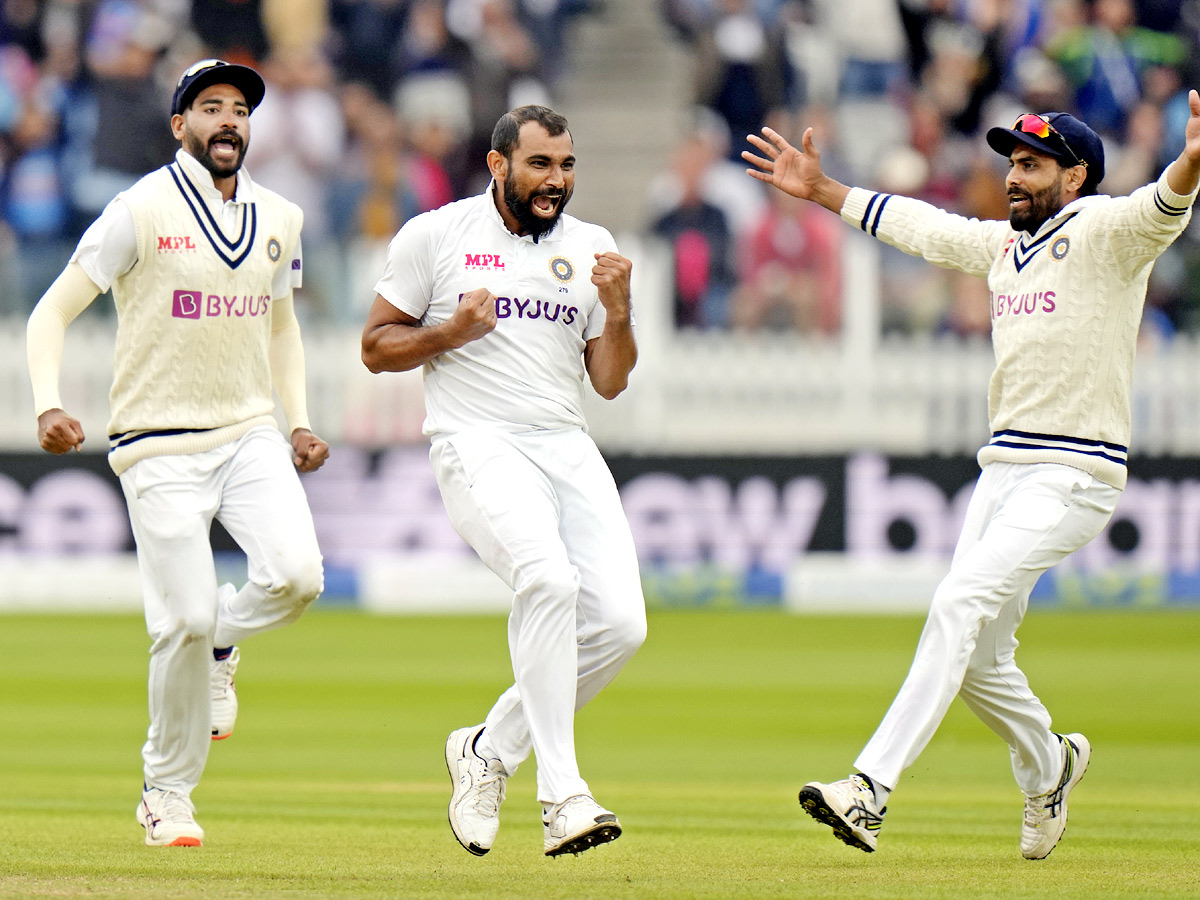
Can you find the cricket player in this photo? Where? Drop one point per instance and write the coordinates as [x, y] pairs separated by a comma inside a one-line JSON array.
[[506, 302], [1067, 275], [202, 263]]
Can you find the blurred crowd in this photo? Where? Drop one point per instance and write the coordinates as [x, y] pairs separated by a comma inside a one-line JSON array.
[[377, 110], [900, 94]]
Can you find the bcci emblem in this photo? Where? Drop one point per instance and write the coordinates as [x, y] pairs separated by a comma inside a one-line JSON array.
[[1060, 247], [274, 250], [562, 269]]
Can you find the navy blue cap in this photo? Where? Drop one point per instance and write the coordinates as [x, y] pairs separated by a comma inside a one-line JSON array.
[[1074, 143], [208, 72]]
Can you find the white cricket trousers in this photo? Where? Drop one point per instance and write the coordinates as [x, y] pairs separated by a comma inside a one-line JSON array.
[[542, 511], [1022, 519], [251, 487]]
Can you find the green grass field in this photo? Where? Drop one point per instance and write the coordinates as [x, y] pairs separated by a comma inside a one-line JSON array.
[[334, 784]]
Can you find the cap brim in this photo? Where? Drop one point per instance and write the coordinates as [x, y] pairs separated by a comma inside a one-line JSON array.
[[1003, 140], [243, 78]]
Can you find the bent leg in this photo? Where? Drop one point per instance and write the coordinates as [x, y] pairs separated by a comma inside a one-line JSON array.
[[505, 508], [610, 623], [264, 509], [1032, 516]]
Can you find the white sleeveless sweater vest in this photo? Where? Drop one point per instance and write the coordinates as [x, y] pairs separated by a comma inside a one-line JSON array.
[[191, 369]]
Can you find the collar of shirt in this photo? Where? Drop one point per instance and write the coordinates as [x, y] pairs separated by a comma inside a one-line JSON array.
[[243, 190], [490, 195], [1078, 204]]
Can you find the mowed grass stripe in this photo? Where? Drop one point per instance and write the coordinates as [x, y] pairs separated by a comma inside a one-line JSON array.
[[333, 784]]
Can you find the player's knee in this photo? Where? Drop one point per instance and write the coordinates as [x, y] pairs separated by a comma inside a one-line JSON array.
[[195, 626], [628, 632], [300, 583], [552, 582]]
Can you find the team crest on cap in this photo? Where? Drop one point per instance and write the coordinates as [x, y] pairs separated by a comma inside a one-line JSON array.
[[274, 250], [561, 268], [1060, 247]]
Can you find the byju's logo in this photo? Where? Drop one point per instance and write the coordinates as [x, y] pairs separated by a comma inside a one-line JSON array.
[[186, 304], [198, 305]]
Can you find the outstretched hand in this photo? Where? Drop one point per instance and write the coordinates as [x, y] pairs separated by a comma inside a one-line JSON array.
[[1191, 134], [1183, 175], [794, 171]]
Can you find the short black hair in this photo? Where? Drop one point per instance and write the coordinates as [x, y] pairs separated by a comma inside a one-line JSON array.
[[508, 130]]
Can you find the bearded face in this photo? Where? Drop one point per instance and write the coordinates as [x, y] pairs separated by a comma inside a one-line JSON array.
[[221, 153], [1028, 208], [537, 210]]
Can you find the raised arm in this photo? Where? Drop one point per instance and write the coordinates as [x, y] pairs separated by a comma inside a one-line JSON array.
[[1184, 173], [794, 171]]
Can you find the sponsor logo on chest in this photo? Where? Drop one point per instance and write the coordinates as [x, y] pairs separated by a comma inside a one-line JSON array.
[[175, 243], [201, 305], [484, 262]]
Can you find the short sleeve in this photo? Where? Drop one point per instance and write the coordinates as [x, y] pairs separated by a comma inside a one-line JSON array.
[[407, 280], [108, 249], [289, 276], [598, 315]]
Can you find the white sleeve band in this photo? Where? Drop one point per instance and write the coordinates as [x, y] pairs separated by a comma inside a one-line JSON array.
[[64, 300]]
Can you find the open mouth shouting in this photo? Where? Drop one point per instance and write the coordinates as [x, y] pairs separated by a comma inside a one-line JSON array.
[[225, 147], [546, 204], [1018, 200]]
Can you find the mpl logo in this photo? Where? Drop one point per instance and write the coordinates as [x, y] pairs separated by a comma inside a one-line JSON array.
[[172, 243], [187, 304], [477, 261]]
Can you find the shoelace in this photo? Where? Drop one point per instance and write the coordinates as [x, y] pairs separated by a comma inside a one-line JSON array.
[[864, 813], [221, 679], [173, 807], [489, 792], [1045, 806]]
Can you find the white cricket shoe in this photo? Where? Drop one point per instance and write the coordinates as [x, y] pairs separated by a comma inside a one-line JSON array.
[[224, 695], [1046, 814], [848, 807], [577, 824], [477, 792], [169, 819]]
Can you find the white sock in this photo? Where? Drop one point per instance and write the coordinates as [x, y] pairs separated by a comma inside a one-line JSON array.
[[881, 792]]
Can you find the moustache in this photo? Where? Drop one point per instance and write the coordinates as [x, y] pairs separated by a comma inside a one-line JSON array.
[[231, 136]]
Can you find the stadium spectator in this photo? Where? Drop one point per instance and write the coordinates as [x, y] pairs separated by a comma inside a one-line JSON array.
[[741, 68], [123, 42], [1107, 60], [790, 271], [699, 242], [705, 144], [368, 39], [298, 146], [231, 29]]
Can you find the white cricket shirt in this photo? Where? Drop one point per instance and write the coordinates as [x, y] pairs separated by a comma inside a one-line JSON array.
[[528, 372]]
